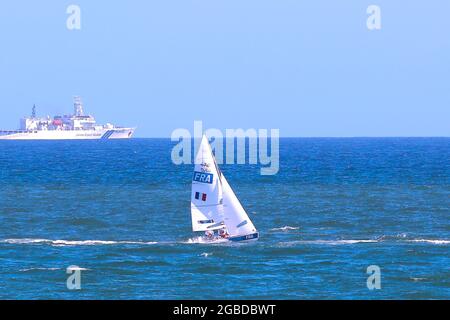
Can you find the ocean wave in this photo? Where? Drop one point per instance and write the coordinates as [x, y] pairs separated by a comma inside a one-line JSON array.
[[356, 241], [202, 240], [433, 241], [285, 228], [330, 242], [418, 279], [70, 268], [399, 236], [206, 254], [76, 268], [404, 237], [72, 242], [39, 269]]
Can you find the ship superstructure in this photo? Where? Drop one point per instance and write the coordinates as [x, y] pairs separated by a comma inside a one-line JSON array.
[[65, 127]]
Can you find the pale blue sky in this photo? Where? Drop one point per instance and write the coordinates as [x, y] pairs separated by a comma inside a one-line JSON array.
[[309, 68]]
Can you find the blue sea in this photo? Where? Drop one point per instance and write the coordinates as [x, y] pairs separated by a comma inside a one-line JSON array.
[[120, 210]]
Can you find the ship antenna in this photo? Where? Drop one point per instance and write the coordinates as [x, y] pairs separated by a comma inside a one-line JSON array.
[[33, 111], [78, 106]]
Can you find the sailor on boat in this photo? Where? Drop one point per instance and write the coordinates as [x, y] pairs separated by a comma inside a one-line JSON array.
[[223, 233], [209, 234]]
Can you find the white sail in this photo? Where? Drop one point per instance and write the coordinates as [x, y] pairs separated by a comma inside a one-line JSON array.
[[236, 219], [206, 197], [213, 203]]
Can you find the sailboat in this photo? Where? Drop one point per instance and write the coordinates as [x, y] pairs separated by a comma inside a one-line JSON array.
[[215, 209]]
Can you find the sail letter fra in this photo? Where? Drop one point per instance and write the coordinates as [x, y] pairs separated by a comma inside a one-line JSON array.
[[203, 177]]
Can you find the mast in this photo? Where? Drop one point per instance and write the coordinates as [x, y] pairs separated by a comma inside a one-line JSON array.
[[33, 112], [78, 106]]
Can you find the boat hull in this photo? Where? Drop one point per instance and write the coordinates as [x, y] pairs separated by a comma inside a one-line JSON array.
[[104, 134], [248, 237]]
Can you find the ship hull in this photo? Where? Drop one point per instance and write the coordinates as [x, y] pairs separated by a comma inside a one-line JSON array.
[[104, 134]]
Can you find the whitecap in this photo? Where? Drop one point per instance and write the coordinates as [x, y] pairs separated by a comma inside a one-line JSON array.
[[39, 269], [203, 240], [433, 241], [418, 279], [285, 228], [206, 254], [76, 268], [72, 242], [330, 242], [24, 241]]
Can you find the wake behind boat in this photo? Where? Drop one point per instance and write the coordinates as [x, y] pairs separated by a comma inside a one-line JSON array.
[[215, 209]]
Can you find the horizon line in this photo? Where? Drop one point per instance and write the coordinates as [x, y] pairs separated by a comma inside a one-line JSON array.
[[314, 137]]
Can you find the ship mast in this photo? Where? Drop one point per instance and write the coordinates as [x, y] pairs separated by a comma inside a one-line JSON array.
[[78, 106], [33, 112]]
